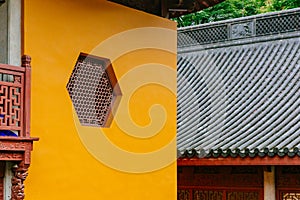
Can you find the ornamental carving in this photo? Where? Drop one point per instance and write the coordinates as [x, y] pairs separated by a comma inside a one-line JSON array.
[[9, 156], [207, 195], [5, 145], [183, 195], [290, 196], [19, 175], [243, 195], [242, 30]]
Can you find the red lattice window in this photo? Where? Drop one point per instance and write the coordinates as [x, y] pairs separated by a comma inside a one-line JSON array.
[[11, 96], [93, 90], [220, 183]]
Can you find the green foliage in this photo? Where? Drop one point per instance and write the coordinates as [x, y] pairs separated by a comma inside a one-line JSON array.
[[235, 8]]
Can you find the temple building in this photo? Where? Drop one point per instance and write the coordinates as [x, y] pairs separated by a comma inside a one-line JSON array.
[[239, 109], [93, 104]]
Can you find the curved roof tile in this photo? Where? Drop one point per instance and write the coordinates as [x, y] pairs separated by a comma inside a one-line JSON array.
[[240, 100]]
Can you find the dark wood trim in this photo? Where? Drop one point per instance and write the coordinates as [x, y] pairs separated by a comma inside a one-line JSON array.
[[12, 68], [164, 9], [18, 139], [276, 160], [26, 63]]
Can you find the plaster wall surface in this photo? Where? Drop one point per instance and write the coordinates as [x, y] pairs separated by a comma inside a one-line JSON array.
[[124, 161]]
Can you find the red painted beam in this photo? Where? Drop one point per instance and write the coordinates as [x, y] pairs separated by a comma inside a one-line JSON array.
[[276, 160]]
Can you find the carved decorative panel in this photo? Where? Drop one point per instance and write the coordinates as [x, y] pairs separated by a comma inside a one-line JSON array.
[[242, 30], [290, 196], [183, 194], [219, 194], [19, 175], [93, 90], [241, 195], [207, 195]]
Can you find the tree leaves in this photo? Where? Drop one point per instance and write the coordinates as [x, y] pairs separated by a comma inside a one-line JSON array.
[[233, 9]]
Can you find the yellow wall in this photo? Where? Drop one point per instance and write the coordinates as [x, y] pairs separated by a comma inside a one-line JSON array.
[[75, 162]]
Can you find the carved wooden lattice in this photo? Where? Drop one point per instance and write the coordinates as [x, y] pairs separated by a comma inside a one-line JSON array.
[[93, 90], [291, 196], [204, 194], [183, 195], [207, 195], [242, 196], [19, 175], [11, 100]]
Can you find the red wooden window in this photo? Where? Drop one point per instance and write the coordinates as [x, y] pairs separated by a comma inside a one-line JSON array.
[[12, 100], [220, 183], [288, 182]]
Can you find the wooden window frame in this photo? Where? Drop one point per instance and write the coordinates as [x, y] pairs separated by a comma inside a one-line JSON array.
[[18, 149]]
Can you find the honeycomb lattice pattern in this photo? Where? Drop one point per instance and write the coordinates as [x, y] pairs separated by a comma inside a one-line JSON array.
[[91, 91], [279, 24]]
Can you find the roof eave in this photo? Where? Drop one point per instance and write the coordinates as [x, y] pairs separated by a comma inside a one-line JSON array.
[[276, 160], [169, 8]]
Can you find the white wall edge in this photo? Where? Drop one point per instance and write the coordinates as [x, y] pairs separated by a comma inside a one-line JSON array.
[[14, 32], [7, 180]]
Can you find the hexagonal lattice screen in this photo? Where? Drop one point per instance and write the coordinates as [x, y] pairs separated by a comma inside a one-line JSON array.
[[93, 90]]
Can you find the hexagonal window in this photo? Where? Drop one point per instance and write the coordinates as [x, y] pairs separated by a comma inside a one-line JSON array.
[[94, 90]]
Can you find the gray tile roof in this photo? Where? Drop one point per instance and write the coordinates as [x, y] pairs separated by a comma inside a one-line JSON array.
[[240, 98]]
